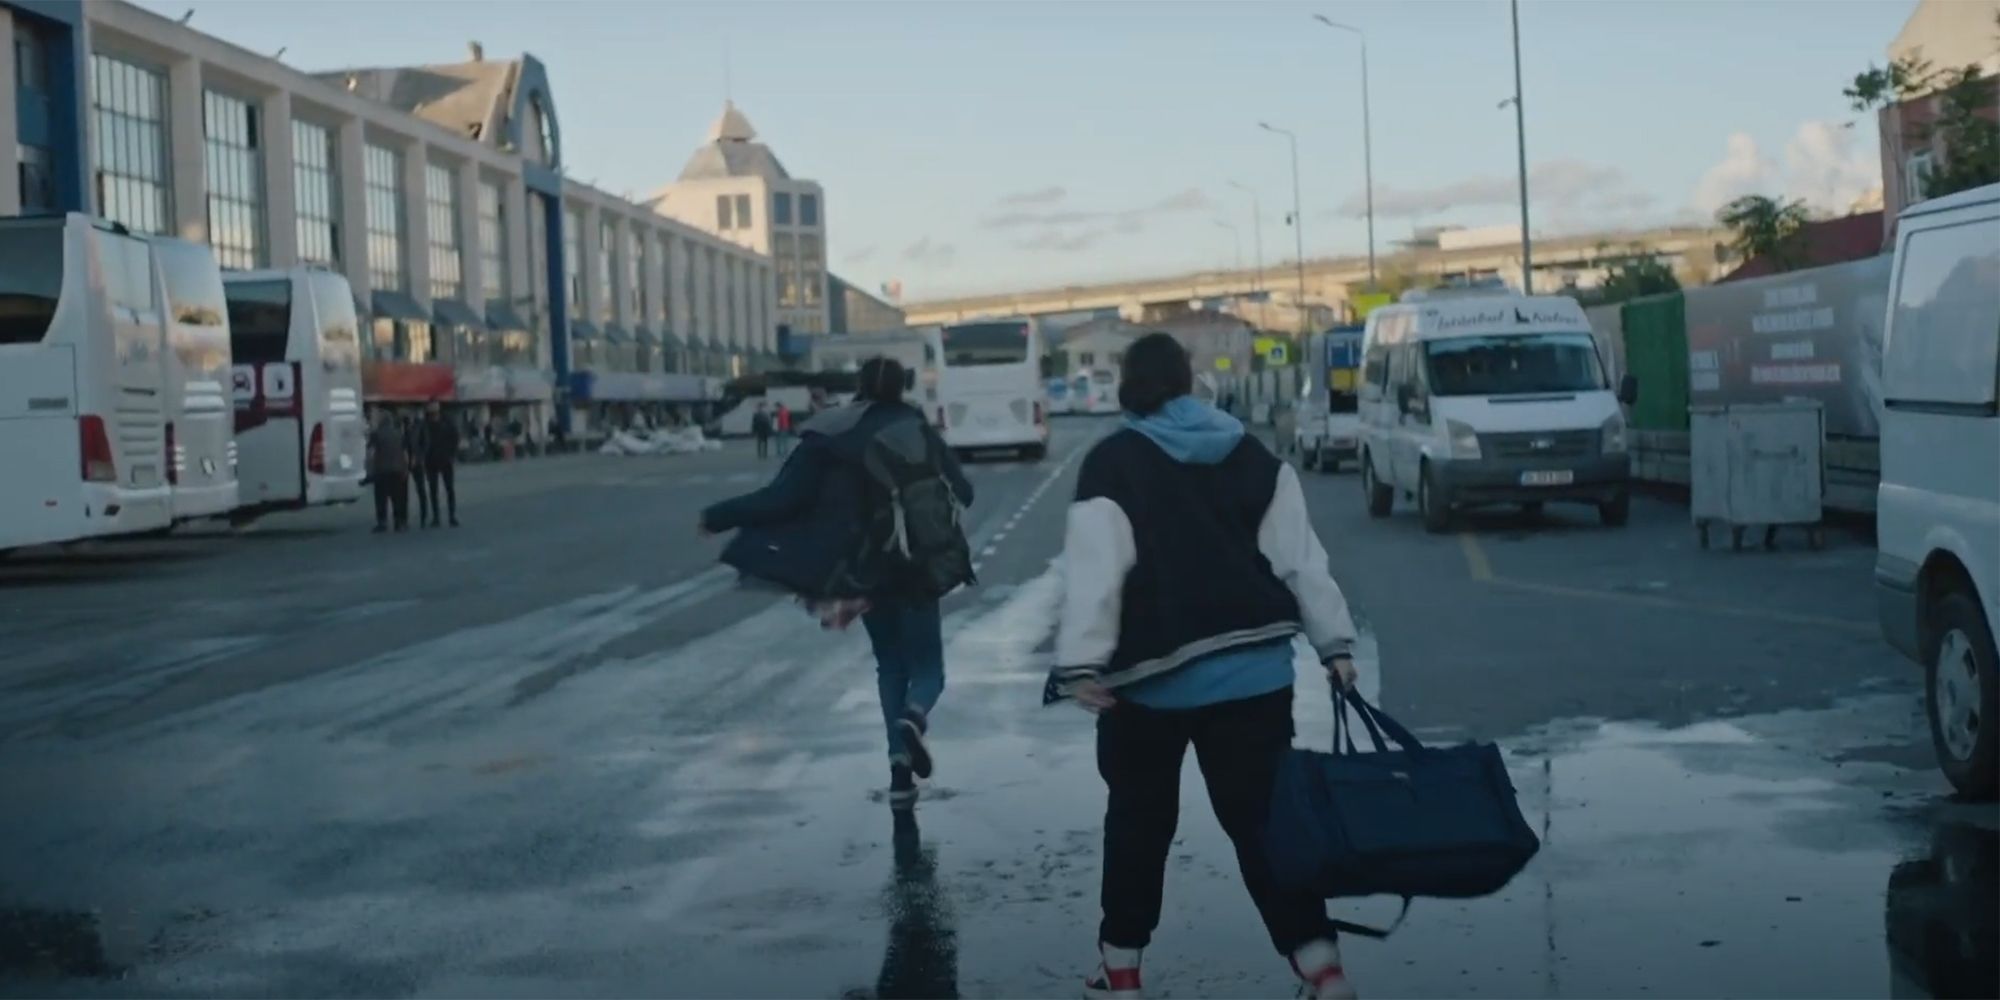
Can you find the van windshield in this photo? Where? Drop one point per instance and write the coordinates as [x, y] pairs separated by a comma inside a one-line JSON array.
[[31, 273], [1516, 364]]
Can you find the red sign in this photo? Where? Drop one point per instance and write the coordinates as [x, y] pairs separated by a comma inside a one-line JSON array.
[[406, 382]]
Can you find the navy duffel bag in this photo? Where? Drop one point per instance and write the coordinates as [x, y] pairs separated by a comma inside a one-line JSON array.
[[1414, 821]]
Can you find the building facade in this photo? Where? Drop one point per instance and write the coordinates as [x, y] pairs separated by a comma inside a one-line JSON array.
[[851, 310], [734, 187], [1950, 35], [486, 276]]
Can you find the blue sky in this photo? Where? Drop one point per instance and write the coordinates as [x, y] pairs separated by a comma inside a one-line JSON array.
[[970, 147]]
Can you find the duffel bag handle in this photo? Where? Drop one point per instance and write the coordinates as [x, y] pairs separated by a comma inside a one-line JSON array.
[[1374, 719]]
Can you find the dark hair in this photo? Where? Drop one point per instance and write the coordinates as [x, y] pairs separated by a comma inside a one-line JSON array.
[[1156, 371], [881, 381]]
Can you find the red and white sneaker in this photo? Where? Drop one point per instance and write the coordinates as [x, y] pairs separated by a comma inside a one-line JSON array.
[[1320, 975], [1117, 976]]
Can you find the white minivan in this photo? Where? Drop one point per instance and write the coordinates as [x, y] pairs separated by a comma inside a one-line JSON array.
[[1485, 400], [1937, 516]]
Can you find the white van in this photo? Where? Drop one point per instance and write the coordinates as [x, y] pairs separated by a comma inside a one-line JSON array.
[[1491, 399], [296, 386], [201, 436], [1937, 516], [82, 383]]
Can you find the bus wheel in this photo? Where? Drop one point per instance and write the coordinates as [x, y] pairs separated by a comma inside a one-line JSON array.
[[1035, 452], [1380, 498]]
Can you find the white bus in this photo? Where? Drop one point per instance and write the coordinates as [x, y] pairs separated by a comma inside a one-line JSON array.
[[296, 385], [989, 387], [82, 383], [201, 436]]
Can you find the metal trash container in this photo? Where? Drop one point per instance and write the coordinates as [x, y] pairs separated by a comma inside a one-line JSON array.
[[1757, 465]]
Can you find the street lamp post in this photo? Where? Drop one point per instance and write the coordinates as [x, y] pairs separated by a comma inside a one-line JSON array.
[[1367, 142], [1298, 221], [1521, 152], [1235, 240], [1256, 230]]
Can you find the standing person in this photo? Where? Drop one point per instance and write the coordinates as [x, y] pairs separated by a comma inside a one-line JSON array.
[[824, 500], [441, 463], [760, 428], [388, 468], [783, 423], [1190, 565], [417, 448]]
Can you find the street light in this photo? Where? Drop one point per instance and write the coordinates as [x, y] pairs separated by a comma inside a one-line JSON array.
[[1298, 222], [1256, 229], [1367, 143], [1235, 239], [1521, 150]]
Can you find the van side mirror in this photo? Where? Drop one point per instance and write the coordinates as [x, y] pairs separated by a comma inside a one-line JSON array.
[[1403, 397], [1628, 390]]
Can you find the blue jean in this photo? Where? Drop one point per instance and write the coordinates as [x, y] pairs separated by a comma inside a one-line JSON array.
[[908, 638]]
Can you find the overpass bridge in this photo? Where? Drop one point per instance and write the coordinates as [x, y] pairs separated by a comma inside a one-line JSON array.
[[1569, 260]]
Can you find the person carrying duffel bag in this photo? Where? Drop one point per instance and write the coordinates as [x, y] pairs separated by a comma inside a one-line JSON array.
[[1190, 566]]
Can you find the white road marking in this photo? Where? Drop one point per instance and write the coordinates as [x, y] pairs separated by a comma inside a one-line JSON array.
[[699, 478]]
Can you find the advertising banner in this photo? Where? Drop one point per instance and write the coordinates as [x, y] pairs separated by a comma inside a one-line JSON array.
[[1813, 334]]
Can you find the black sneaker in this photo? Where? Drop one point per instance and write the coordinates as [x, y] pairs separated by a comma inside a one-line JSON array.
[[913, 726], [902, 787]]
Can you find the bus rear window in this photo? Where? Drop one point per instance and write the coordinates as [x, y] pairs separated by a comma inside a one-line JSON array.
[[985, 344], [194, 284], [31, 273], [260, 320]]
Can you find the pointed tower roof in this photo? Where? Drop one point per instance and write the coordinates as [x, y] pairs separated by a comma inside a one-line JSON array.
[[731, 126], [732, 150]]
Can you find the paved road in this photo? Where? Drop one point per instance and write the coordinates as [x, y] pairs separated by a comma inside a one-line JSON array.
[[556, 752]]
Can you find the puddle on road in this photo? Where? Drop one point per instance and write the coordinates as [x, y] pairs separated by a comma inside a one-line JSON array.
[[1762, 856]]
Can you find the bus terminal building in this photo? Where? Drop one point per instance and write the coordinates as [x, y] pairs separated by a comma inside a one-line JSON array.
[[484, 275]]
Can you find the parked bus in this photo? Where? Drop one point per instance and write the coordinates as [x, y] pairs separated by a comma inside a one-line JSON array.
[[1326, 426], [989, 384], [82, 383], [296, 384], [201, 438]]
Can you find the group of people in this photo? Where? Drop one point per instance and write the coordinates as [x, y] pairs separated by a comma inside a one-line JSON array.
[[1190, 567], [405, 452], [768, 425]]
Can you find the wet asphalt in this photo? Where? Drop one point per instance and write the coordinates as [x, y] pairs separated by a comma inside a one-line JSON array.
[[555, 752]]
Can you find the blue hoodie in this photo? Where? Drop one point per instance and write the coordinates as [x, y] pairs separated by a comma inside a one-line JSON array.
[[1194, 433]]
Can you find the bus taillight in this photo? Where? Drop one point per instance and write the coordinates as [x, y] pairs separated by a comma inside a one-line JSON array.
[[173, 458], [316, 451], [940, 419], [1041, 414], [98, 465]]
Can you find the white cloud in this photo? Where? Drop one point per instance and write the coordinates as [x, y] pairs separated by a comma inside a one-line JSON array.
[[1823, 166], [927, 252], [1565, 187]]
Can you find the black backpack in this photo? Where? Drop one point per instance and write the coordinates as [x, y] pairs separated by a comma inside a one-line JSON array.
[[914, 525]]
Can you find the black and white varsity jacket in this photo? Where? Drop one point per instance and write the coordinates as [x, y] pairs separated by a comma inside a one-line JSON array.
[[1165, 562]]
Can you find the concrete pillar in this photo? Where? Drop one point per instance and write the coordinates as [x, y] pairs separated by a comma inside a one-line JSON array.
[[185, 134], [471, 256], [281, 208], [350, 152], [10, 127], [515, 204], [591, 309], [417, 228]]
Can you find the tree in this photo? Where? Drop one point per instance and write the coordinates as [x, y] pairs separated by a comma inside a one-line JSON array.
[[1761, 226], [1635, 273], [1971, 154]]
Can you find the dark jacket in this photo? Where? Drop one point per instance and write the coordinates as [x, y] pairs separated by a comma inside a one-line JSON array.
[[440, 442], [797, 529], [414, 443], [760, 424], [386, 454]]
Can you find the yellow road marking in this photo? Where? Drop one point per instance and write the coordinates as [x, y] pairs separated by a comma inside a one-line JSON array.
[[1671, 604], [1476, 562]]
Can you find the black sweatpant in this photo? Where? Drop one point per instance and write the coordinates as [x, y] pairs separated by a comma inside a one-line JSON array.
[[763, 446], [426, 503], [392, 490], [1238, 745], [447, 474]]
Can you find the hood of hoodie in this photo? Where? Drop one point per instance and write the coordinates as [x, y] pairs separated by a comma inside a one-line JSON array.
[[1190, 431]]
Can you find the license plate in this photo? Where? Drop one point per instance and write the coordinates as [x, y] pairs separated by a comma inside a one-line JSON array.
[[1554, 477]]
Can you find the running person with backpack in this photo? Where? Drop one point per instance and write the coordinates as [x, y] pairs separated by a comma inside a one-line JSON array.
[[866, 514]]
